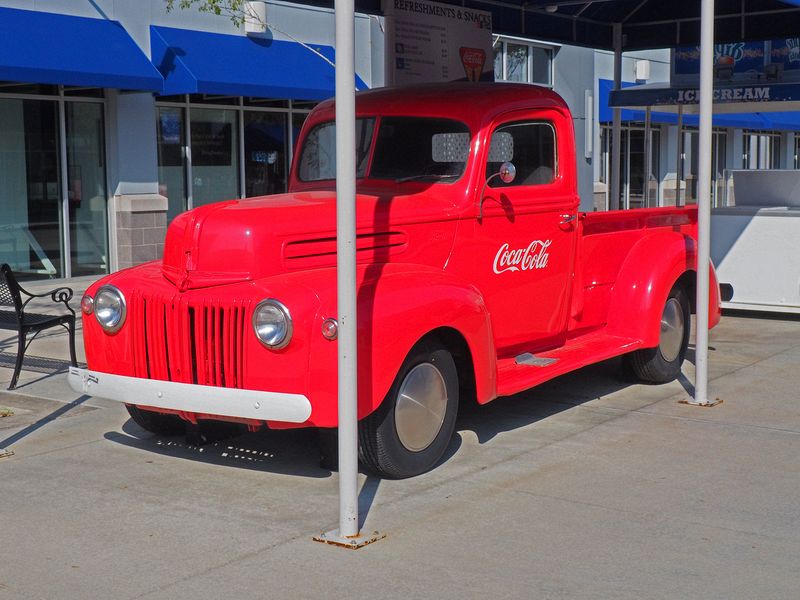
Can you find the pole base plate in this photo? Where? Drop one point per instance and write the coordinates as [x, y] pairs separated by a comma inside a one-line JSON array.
[[334, 538], [709, 404], [6, 452]]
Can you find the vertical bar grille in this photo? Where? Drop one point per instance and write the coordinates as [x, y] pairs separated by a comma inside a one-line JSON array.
[[199, 342]]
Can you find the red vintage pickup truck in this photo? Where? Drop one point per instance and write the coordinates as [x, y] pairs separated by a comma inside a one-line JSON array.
[[477, 277]]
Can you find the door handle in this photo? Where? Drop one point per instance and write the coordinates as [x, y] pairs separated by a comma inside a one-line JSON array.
[[567, 219]]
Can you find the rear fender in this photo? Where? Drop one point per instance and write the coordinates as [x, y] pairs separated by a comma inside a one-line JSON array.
[[652, 267]]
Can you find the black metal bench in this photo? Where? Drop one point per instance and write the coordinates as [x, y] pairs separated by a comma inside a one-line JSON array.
[[24, 323]]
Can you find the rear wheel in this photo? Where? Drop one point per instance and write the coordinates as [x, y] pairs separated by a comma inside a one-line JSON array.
[[411, 430], [663, 363], [155, 422]]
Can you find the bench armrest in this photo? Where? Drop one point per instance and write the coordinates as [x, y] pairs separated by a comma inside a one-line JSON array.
[[61, 294]]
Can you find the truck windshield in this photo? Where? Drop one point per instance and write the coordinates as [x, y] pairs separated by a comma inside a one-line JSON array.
[[406, 149]]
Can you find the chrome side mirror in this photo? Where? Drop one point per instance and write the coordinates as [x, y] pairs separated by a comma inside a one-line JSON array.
[[507, 174]]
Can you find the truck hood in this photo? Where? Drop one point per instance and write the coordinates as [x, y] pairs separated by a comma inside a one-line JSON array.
[[241, 240]]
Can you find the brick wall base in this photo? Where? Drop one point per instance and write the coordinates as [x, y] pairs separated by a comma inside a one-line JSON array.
[[141, 225]]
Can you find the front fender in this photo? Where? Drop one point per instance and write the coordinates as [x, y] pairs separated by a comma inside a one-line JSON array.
[[397, 306]]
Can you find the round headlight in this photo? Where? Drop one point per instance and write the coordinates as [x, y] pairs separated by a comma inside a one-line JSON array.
[[272, 324], [109, 308]]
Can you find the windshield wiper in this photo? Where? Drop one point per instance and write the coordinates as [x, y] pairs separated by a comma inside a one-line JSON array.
[[427, 176]]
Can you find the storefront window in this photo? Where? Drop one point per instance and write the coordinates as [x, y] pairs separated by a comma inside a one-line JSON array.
[[633, 175], [235, 152], [215, 143], [523, 62], [39, 89], [516, 63], [265, 162], [796, 151], [86, 185], [84, 92], [762, 150], [691, 166], [30, 189], [541, 65], [265, 102], [297, 126], [171, 141]]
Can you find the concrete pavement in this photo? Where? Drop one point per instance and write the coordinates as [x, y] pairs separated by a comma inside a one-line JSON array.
[[588, 486]]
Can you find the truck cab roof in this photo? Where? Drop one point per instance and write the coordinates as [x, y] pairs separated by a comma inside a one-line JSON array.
[[472, 103]]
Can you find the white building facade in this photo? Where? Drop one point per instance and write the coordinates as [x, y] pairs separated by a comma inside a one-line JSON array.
[[97, 156]]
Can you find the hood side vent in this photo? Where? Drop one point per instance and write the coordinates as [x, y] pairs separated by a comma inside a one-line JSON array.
[[372, 247]]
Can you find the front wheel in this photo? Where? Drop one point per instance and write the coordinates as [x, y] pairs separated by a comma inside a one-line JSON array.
[[411, 430], [663, 363]]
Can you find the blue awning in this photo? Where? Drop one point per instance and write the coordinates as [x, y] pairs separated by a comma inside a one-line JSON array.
[[40, 47], [631, 96], [213, 63]]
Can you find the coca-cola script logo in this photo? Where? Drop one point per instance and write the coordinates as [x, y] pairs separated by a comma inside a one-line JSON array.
[[522, 259]]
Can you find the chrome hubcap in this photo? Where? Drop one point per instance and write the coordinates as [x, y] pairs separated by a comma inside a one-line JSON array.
[[672, 326], [420, 407]]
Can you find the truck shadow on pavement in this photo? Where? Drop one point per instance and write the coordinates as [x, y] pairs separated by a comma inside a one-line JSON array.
[[556, 396], [286, 452], [296, 452]]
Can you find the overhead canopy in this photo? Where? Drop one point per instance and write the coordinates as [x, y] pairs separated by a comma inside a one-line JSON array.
[[213, 63], [645, 23], [50, 48], [746, 116]]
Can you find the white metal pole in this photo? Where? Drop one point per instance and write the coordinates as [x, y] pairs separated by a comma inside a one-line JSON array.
[[648, 153], [678, 164], [346, 266], [616, 127], [704, 200], [348, 534], [66, 240]]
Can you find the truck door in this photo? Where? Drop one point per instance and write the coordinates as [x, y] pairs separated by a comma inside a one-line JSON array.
[[524, 238]]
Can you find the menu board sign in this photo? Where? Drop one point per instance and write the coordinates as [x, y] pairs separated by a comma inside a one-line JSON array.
[[427, 41]]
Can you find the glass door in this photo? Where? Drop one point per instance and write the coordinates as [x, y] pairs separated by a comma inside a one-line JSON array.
[[635, 159], [171, 141], [30, 190], [215, 149], [86, 189], [264, 153]]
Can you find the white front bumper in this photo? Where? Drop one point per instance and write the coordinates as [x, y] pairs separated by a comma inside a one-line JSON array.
[[188, 397]]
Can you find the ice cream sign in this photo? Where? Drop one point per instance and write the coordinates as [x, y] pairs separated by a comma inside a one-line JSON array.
[[786, 52], [751, 63], [731, 61]]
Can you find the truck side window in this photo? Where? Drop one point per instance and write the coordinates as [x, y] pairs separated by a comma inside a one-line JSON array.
[[531, 146]]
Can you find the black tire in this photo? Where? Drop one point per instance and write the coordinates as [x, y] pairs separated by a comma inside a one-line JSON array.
[[392, 454], [663, 363], [155, 422]]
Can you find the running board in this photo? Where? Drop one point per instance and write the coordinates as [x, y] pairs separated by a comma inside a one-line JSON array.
[[514, 374], [534, 361]]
